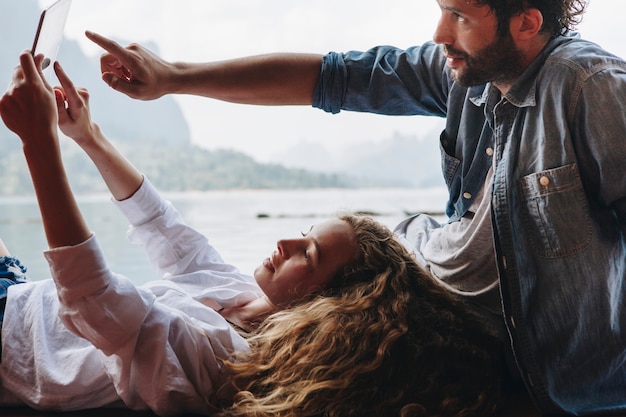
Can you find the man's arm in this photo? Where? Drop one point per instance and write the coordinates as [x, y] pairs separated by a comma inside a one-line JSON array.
[[273, 79]]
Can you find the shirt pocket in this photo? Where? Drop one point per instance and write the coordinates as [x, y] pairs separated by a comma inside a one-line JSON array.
[[556, 212], [449, 164]]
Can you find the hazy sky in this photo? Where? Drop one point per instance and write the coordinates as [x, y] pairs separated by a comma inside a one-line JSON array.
[[202, 30]]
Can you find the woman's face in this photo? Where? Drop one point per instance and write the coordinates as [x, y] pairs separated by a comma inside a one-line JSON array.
[[302, 266]]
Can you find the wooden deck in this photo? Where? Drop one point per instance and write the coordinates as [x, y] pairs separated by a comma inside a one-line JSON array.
[[519, 407]]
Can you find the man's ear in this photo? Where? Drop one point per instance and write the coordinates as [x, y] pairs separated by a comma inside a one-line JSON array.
[[527, 24]]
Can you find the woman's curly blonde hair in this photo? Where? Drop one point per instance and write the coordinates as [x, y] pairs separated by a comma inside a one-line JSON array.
[[383, 340]]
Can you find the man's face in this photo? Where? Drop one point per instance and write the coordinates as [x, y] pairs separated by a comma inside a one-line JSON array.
[[476, 53]]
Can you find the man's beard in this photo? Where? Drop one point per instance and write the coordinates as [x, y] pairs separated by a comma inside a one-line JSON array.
[[499, 61]]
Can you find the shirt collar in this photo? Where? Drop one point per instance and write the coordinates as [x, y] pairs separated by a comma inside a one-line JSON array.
[[524, 92]]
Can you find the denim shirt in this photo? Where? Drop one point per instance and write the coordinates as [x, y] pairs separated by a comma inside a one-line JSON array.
[[557, 140]]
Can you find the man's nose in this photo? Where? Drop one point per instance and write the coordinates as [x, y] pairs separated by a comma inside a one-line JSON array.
[[442, 35]]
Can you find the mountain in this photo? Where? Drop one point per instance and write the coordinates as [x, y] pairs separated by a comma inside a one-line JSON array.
[[158, 122], [156, 137], [154, 134], [398, 161]]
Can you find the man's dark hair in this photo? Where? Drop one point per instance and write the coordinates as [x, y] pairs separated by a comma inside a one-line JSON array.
[[559, 16]]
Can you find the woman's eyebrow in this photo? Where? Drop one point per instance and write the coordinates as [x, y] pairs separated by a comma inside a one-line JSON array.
[[309, 231]]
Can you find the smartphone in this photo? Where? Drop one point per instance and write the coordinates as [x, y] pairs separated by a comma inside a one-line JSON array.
[[50, 31]]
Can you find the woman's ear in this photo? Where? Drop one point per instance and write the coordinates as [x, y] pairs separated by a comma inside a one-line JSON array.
[[527, 25]]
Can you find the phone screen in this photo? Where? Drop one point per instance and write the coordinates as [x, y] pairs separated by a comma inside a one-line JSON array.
[[50, 31]]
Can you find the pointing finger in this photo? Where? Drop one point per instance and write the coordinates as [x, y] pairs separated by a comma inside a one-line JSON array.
[[69, 90], [108, 45]]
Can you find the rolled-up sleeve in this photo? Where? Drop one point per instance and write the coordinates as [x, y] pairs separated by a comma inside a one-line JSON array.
[[330, 89], [88, 295], [157, 357], [385, 80]]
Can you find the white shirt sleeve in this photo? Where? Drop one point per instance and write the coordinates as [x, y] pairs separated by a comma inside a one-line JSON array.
[[157, 356], [172, 246]]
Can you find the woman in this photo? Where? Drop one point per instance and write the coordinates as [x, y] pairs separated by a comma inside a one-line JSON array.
[[338, 322], [395, 344]]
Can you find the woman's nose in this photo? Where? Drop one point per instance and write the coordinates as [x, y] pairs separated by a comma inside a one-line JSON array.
[[283, 246], [287, 247]]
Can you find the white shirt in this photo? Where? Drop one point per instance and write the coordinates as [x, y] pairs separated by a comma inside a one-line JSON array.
[[157, 346]]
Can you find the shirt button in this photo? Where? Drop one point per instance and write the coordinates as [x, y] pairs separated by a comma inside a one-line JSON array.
[[512, 320], [489, 151], [545, 181], [467, 196]]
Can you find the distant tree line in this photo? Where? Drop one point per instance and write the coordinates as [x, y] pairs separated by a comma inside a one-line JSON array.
[[172, 168]]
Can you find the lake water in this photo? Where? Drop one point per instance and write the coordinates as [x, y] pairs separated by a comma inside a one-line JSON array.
[[243, 225]]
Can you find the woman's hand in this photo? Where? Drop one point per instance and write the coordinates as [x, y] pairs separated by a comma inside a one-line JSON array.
[[75, 121], [73, 110], [28, 107]]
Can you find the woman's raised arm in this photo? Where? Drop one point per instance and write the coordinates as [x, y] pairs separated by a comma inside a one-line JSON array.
[[28, 108]]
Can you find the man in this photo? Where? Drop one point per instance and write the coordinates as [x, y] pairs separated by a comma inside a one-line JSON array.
[[533, 153]]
